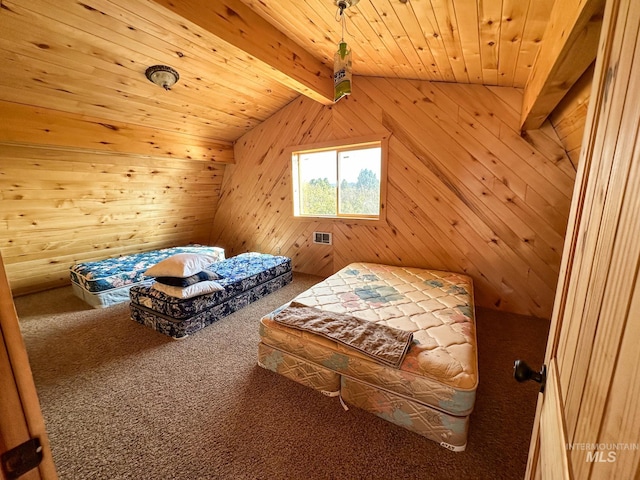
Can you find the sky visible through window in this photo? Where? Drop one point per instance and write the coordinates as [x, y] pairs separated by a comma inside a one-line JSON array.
[[323, 164], [341, 182]]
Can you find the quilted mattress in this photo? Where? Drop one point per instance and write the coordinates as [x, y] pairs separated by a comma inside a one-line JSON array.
[[245, 278], [433, 391], [105, 282]]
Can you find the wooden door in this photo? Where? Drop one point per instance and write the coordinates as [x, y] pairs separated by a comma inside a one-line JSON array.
[[20, 415], [588, 419]]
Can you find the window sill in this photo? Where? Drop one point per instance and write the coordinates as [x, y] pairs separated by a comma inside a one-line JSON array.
[[368, 222]]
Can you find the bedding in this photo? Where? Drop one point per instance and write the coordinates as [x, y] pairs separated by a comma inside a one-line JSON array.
[[106, 282], [181, 265], [244, 279], [182, 282], [190, 291], [381, 343], [433, 391]]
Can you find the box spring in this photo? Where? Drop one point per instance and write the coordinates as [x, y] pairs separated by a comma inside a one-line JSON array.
[[448, 430], [246, 278], [106, 282], [433, 391]]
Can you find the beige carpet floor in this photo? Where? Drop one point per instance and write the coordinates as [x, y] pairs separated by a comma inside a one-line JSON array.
[[122, 401]]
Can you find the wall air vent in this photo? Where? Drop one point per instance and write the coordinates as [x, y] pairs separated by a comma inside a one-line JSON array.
[[323, 238]]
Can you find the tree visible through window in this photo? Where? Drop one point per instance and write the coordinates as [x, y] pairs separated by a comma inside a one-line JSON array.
[[340, 182]]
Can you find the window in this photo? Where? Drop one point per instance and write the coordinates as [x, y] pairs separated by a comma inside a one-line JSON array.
[[338, 182]]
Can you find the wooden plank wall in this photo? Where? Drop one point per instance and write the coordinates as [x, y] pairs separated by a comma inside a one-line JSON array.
[[82, 191], [465, 191], [569, 117]]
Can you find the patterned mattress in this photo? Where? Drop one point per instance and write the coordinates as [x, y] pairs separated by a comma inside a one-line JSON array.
[[245, 278], [117, 272], [433, 391], [107, 282]]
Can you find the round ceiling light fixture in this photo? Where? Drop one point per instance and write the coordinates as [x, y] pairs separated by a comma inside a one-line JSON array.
[[162, 75], [344, 4]]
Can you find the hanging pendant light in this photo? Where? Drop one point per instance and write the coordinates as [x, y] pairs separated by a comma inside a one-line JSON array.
[[342, 57]]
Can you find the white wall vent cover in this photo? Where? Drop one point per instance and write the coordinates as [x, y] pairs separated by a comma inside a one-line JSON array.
[[322, 237]]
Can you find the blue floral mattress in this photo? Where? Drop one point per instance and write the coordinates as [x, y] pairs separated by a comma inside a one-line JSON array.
[[110, 273], [238, 274]]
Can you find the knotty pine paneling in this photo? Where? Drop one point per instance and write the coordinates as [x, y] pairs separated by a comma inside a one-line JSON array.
[[595, 331], [489, 42], [34, 125], [569, 117], [63, 205], [465, 191], [89, 58]]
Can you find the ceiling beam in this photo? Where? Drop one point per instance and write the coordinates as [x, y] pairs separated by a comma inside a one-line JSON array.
[[271, 51], [569, 46]]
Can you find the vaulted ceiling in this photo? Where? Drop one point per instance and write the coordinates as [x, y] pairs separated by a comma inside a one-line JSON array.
[[88, 57], [492, 42]]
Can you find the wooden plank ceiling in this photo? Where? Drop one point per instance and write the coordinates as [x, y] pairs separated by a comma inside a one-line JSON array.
[[490, 42], [88, 57]]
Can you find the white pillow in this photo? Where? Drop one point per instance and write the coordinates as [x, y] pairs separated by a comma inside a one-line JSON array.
[[180, 265], [200, 288]]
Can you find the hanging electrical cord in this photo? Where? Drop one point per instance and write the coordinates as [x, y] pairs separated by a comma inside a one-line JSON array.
[[340, 11], [341, 17], [342, 58]]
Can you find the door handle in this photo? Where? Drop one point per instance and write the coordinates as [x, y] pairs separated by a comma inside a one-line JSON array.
[[523, 372]]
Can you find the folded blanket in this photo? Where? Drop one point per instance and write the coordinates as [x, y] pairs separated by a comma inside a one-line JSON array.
[[381, 343]]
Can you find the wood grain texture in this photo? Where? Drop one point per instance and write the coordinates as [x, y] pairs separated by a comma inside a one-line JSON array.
[[89, 58], [42, 126], [569, 117], [465, 192], [20, 414], [594, 326], [490, 42], [553, 437], [604, 306], [240, 61], [61, 205], [571, 46], [236, 24]]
